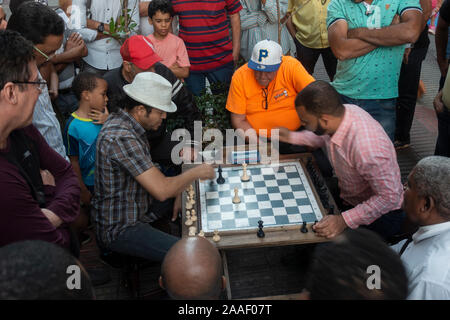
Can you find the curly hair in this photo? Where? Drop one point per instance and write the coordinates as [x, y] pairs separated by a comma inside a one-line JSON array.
[[160, 5]]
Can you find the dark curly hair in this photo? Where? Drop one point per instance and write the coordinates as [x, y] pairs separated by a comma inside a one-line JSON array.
[[35, 22], [160, 5], [15, 55]]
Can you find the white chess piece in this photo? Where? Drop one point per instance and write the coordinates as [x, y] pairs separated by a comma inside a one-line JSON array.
[[216, 237], [245, 176], [236, 196]]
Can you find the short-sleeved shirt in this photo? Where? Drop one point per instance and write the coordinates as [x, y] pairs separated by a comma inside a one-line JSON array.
[[204, 29], [123, 153], [375, 74], [246, 96], [80, 137], [171, 49], [309, 18]]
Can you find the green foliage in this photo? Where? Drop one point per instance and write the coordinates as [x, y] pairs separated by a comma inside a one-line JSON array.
[[121, 28]]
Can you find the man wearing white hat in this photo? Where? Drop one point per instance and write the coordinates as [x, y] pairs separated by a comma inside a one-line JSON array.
[[263, 91], [126, 181]]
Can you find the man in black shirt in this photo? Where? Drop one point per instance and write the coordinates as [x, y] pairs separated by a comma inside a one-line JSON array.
[[138, 56]]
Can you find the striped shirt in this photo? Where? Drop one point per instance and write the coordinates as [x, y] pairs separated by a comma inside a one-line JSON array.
[[365, 163], [122, 154], [204, 29]]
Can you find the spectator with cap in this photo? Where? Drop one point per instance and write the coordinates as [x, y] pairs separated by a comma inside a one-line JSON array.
[[263, 91], [126, 179], [139, 56]]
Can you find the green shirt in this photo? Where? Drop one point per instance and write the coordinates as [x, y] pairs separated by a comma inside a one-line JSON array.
[[374, 75]]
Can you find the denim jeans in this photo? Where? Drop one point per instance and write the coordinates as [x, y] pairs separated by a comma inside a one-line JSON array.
[[196, 82], [382, 110], [142, 240], [309, 56]]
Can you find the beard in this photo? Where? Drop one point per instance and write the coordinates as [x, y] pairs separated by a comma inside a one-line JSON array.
[[319, 130]]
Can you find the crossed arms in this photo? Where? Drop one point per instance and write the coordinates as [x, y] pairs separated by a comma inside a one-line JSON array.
[[348, 44]]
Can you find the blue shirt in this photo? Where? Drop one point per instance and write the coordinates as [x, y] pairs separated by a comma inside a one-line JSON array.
[[375, 74], [80, 137]]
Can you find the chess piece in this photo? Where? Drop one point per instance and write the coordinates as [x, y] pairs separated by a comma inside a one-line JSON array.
[[304, 229], [220, 179], [193, 212], [260, 232], [189, 222], [194, 218], [245, 176], [192, 231], [236, 196], [315, 222], [216, 237], [201, 234], [331, 210], [189, 204]]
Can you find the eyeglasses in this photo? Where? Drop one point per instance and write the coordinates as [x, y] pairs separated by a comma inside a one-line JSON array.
[[43, 54], [265, 103], [41, 84]]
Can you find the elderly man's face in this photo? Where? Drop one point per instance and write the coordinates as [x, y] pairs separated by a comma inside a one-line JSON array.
[[264, 78]]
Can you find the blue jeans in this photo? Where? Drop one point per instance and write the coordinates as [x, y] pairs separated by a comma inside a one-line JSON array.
[[196, 82], [382, 110], [142, 240]]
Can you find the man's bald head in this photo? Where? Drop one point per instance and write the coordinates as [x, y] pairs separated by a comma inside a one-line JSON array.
[[192, 269]]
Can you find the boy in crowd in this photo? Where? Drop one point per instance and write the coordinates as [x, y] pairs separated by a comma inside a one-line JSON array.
[[80, 134], [167, 45]]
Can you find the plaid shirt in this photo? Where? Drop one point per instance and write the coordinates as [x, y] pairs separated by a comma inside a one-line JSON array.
[[365, 163], [122, 154]]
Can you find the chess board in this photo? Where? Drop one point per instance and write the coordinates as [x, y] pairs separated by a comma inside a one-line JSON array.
[[279, 194]]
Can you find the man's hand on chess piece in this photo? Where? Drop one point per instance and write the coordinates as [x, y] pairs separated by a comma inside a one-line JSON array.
[[176, 207], [205, 172], [330, 226]]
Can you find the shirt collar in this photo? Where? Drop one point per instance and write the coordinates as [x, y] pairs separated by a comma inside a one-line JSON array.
[[135, 125], [429, 231], [341, 133]]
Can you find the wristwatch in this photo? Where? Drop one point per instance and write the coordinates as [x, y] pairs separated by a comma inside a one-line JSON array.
[[101, 27]]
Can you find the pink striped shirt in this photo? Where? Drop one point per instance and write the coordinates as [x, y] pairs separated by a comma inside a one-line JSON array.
[[365, 163]]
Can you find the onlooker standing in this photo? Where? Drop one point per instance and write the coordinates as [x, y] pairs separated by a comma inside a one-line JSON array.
[[168, 46], [212, 53], [307, 26], [368, 41], [259, 21], [442, 110], [42, 26], [408, 82], [104, 50]]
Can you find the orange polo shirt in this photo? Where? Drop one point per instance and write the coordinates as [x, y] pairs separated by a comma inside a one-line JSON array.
[[246, 96]]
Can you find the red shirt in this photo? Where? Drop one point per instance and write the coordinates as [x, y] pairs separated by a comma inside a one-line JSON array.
[[204, 30]]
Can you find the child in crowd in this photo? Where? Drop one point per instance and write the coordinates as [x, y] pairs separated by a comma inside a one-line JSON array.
[[167, 45], [83, 127]]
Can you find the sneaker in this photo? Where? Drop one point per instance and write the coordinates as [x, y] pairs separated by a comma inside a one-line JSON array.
[[84, 238], [401, 144]]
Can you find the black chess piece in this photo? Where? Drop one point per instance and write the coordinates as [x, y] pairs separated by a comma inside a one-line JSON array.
[[315, 222], [304, 229], [331, 210], [220, 179], [260, 233]]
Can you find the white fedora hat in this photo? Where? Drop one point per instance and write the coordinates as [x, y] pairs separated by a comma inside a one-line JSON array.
[[152, 90]]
